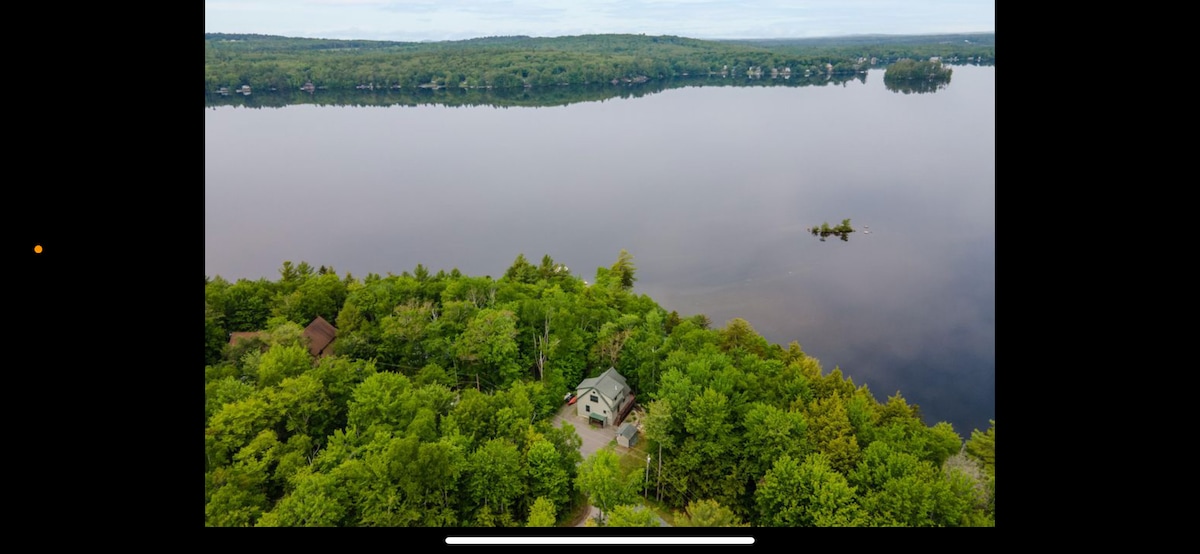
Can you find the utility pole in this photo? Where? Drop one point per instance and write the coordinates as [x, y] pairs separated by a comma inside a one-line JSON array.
[[646, 480], [658, 483]]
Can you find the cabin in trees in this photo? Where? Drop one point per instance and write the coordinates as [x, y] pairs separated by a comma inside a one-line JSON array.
[[605, 399], [320, 335], [239, 336]]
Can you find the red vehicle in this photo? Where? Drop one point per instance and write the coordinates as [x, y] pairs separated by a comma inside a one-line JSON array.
[[570, 398]]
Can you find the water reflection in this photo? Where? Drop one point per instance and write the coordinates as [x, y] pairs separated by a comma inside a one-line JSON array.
[[509, 97], [710, 187], [536, 96], [916, 86]]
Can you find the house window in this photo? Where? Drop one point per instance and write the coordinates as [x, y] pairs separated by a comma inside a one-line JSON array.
[[593, 398], [587, 409]]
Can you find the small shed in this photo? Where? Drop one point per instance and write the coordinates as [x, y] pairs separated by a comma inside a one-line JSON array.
[[627, 435]]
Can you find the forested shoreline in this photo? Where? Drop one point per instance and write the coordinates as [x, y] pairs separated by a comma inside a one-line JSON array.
[[432, 408], [272, 63], [507, 97]]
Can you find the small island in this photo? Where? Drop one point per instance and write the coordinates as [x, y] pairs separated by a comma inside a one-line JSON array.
[[913, 70], [843, 230]]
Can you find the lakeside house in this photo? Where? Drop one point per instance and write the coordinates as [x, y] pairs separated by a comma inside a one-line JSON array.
[[605, 399]]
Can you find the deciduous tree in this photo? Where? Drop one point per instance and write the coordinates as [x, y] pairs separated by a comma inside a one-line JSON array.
[[808, 494], [601, 479], [627, 515], [708, 513], [623, 270], [541, 513]]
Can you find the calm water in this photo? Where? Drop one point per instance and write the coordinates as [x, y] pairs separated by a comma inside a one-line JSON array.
[[709, 188]]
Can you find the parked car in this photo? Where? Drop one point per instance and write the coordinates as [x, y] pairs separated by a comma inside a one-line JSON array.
[[569, 398]]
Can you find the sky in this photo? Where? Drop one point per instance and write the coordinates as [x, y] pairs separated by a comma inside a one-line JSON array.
[[420, 20]]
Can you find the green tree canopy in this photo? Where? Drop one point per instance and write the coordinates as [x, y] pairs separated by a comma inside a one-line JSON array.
[[627, 515], [982, 446], [623, 270], [601, 479], [808, 494], [541, 514], [708, 513]]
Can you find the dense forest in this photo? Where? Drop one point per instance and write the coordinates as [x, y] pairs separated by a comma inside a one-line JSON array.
[[273, 63], [433, 405]]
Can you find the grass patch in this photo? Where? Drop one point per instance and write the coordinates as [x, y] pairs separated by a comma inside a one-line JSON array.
[[661, 509], [634, 458]]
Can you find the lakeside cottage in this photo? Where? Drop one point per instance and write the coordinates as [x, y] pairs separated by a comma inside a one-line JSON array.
[[605, 399]]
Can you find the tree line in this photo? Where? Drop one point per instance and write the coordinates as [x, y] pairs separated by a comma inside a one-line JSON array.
[[266, 62], [507, 97], [434, 410]]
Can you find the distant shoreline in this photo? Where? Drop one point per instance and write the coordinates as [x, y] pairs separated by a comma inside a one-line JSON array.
[[264, 63]]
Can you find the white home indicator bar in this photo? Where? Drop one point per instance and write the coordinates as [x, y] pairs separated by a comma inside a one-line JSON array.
[[607, 540]]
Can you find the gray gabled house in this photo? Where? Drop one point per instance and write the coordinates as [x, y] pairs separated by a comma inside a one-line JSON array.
[[604, 399]]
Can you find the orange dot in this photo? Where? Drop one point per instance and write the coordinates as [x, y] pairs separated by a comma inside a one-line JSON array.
[[37, 249]]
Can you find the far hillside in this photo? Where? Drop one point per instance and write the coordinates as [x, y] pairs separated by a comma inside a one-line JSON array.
[[265, 62]]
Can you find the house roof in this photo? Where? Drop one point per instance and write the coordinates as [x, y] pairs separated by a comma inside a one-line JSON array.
[[239, 336], [628, 430], [609, 383], [320, 333]]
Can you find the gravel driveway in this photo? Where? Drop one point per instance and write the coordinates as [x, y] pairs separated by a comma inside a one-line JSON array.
[[594, 438]]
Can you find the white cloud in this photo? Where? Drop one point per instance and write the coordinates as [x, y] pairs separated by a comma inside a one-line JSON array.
[[458, 19]]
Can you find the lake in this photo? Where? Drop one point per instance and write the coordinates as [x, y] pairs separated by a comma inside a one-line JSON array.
[[710, 188]]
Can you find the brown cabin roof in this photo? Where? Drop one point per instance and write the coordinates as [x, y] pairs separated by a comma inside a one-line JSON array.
[[320, 333], [239, 336]]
